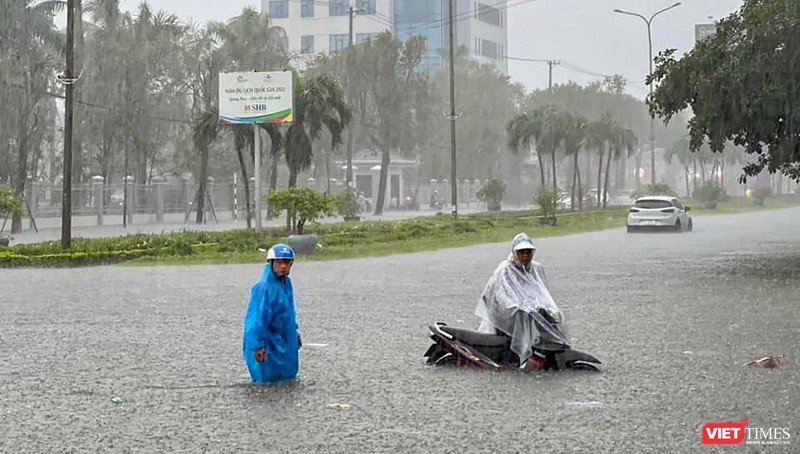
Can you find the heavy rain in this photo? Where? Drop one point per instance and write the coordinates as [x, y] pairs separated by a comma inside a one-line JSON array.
[[165, 165]]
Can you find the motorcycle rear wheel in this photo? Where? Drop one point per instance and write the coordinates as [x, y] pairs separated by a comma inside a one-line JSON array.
[[580, 365]]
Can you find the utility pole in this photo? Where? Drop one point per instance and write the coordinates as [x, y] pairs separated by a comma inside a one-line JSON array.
[[551, 63], [452, 118], [351, 13], [69, 80]]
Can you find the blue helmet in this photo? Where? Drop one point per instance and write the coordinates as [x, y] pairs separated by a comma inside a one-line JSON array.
[[280, 252]]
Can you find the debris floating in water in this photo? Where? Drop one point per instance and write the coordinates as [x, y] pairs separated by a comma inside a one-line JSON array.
[[768, 362], [590, 404], [340, 406], [118, 400]]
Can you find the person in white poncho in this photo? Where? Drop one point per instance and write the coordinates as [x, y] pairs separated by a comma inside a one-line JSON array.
[[517, 289]]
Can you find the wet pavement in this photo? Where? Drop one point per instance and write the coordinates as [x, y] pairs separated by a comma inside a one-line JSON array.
[[673, 317]]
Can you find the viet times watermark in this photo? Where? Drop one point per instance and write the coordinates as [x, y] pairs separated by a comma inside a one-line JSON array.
[[734, 433]]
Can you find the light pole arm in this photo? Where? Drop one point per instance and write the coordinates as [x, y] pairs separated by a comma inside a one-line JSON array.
[[633, 14], [664, 10]]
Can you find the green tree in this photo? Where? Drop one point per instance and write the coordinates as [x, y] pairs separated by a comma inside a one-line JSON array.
[[741, 85], [29, 51]]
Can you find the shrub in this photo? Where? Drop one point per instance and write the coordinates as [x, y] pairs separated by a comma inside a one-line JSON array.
[[10, 204], [492, 192], [303, 205], [709, 192], [547, 199], [653, 189]]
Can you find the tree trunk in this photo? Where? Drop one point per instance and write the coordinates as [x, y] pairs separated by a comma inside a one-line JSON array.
[[541, 168], [203, 181], [694, 175], [575, 173], [580, 189], [273, 181], [638, 166], [620, 182], [385, 160], [292, 178], [605, 186], [555, 180], [686, 176], [599, 177], [703, 172], [22, 169]]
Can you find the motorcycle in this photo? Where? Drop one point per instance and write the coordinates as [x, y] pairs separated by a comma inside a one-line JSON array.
[[551, 351]]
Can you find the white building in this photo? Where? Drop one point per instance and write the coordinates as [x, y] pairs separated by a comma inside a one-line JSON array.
[[322, 26]]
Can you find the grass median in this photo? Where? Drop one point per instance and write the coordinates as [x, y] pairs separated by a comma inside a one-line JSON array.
[[336, 241]]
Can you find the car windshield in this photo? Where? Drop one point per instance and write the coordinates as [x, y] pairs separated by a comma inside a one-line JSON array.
[[652, 204]]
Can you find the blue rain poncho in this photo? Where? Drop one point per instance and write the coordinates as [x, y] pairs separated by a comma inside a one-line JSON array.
[[271, 323]]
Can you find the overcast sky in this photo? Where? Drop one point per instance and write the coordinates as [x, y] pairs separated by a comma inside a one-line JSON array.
[[586, 35]]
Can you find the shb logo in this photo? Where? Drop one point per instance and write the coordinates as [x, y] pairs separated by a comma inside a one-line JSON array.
[[724, 433], [248, 108]]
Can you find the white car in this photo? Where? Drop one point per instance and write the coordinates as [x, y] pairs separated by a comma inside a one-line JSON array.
[[659, 212]]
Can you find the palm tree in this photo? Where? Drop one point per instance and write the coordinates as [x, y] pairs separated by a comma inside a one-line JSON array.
[[623, 143], [205, 129], [574, 129], [543, 129], [318, 102], [600, 134], [522, 130]]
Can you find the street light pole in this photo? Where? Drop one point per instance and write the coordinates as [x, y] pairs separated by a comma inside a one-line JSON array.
[[69, 81], [351, 13], [649, 23], [453, 117]]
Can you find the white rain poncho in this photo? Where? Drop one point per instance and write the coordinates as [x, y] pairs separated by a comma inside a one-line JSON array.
[[511, 302]]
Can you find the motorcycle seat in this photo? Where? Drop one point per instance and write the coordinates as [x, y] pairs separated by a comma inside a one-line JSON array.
[[476, 338]]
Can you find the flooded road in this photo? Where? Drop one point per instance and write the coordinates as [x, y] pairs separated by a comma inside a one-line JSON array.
[[673, 317]]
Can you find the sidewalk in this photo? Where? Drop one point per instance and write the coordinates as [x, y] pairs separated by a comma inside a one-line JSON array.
[[53, 233]]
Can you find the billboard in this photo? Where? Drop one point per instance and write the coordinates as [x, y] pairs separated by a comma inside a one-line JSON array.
[[255, 97], [702, 31]]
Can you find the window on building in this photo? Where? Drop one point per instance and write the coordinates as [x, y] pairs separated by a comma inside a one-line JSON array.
[[338, 7], [363, 37], [307, 44], [307, 8], [366, 6], [489, 49], [489, 14], [278, 9], [338, 42]]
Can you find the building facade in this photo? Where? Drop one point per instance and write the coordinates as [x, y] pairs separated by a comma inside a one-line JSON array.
[[322, 26]]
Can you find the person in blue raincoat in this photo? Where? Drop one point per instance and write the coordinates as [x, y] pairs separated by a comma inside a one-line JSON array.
[[271, 340]]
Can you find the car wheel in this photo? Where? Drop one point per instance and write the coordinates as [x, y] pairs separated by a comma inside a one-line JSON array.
[[689, 227], [678, 226], [630, 229]]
